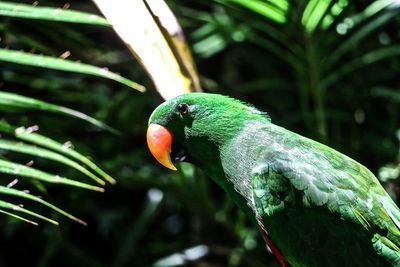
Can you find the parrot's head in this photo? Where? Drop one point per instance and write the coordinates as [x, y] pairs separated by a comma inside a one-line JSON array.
[[193, 127]]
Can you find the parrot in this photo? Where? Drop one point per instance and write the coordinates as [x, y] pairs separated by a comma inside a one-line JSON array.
[[314, 205]]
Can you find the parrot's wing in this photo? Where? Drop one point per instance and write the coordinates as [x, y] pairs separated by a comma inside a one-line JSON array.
[[264, 196], [261, 198], [275, 188]]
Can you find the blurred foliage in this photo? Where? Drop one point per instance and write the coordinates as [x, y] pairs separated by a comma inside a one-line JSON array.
[[328, 70]]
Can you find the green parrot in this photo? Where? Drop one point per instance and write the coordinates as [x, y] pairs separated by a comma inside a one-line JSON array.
[[314, 205]]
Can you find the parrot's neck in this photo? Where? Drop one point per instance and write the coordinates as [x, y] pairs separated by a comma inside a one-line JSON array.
[[237, 160], [240, 157], [211, 161]]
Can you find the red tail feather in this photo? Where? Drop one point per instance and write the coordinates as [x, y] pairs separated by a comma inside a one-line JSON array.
[[271, 245]]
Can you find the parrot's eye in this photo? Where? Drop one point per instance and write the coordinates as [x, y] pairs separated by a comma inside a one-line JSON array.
[[182, 108]]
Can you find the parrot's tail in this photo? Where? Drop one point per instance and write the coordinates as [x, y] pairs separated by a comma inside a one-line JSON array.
[[271, 245]]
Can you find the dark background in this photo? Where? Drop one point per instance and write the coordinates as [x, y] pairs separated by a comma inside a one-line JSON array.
[[152, 215]]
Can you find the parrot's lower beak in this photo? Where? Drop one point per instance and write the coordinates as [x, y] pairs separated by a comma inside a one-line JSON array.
[[159, 140]]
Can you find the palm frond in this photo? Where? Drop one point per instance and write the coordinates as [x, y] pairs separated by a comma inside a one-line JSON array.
[[48, 13], [42, 61]]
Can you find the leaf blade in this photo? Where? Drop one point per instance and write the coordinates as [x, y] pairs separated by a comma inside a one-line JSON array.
[[358, 36], [27, 135], [313, 13], [45, 153], [49, 13], [266, 9], [8, 205], [15, 192], [9, 167], [18, 217], [49, 62], [23, 102], [366, 59]]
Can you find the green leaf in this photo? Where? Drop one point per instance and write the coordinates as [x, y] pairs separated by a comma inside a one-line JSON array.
[[335, 11], [391, 94], [274, 10], [45, 153], [7, 205], [64, 65], [151, 32], [12, 168], [361, 33], [278, 50], [374, 8], [15, 192], [27, 135], [49, 13], [18, 217], [313, 13], [360, 62], [23, 102], [209, 45]]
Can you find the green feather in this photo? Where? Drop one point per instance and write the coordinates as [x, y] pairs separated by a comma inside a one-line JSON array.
[[320, 207]]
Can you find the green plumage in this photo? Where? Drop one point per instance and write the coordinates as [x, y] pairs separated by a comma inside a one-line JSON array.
[[319, 207]]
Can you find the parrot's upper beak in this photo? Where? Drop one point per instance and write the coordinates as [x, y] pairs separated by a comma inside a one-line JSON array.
[[159, 140]]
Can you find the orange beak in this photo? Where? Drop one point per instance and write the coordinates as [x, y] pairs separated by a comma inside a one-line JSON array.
[[159, 140]]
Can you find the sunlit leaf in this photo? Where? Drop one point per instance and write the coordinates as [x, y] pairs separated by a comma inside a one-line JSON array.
[[274, 10], [389, 172], [157, 41], [173, 33], [13, 168], [18, 101], [27, 135], [49, 13], [45, 153], [313, 13], [154, 198], [335, 11], [22, 194], [64, 65], [210, 45]]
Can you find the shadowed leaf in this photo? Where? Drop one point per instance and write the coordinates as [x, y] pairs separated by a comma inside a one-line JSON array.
[[18, 217], [360, 62], [23, 102], [26, 135], [15, 192], [274, 10]]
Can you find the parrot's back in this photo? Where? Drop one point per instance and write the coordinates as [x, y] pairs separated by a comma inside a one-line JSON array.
[[320, 207]]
